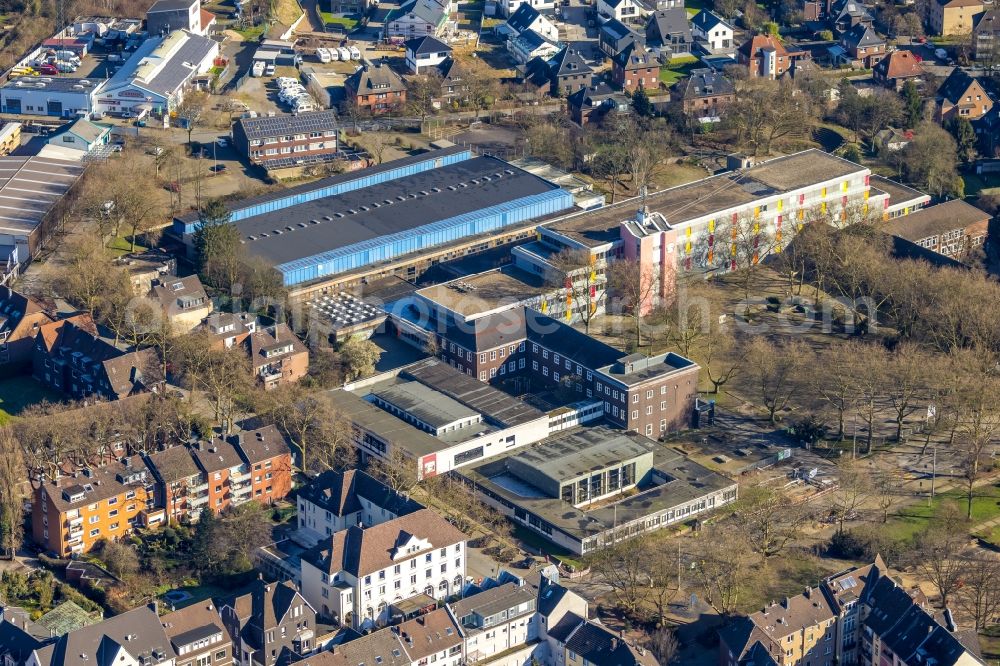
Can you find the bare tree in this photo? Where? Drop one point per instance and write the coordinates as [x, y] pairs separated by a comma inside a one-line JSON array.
[[767, 519], [192, 111], [397, 470], [774, 371], [751, 240], [938, 554], [854, 487], [13, 487], [887, 486], [321, 435], [664, 645], [979, 596], [634, 288], [584, 281], [622, 566], [724, 568]]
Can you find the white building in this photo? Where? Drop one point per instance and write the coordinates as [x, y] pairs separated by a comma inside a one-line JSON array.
[[713, 31], [526, 19], [424, 53], [166, 16], [134, 638], [49, 96], [335, 501], [360, 575], [625, 11], [498, 620], [508, 7], [155, 78], [418, 18]]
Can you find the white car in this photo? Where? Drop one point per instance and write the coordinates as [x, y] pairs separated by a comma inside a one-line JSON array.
[[344, 52], [285, 81]]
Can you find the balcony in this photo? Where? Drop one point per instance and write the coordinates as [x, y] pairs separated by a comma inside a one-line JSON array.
[[75, 522], [76, 532]]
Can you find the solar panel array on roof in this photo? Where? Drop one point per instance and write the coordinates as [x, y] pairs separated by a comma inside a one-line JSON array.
[[344, 309], [315, 121]]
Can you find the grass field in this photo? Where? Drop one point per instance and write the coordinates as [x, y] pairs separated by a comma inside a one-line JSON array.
[[677, 69], [347, 22], [251, 34], [915, 519], [17, 393], [287, 11]]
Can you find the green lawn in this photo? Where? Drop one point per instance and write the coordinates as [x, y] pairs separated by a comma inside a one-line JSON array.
[[914, 519], [677, 69], [980, 184], [121, 245], [251, 34], [696, 5], [17, 393], [534, 540], [348, 22]]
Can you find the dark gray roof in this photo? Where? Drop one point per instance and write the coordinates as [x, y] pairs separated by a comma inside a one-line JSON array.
[[338, 492], [523, 17], [569, 62], [424, 404], [706, 20], [568, 341], [494, 600], [616, 30], [861, 36], [375, 78], [311, 121], [667, 23], [427, 44], [602, 647], [138, 631], [395, 206], [261, 444], [954, 87], [562, 629], [704, 83]]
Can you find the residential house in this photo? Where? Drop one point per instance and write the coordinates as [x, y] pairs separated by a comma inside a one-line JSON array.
[[71, 513], [962, 95], [896, 68], [375, 88], [988, 130], [21, 317], [180, 486], [508, 7], [182, 301], [953, 17], [862, 46], [626, 11], [529, 45], [528, 19], [423, 53], [229, 329], [892, 140], [953, 228], [361, 576], [82, 137], [704, 94], [165, 16], [568, 72], [272, 625], [71, 358], [418, 18], [335, 501], [986, 36], [713, 31], [847, 14], [134, 637], [20, 637], [198, 635], [591, 104], [766, 57], [669, 33], [581, 642], [614, 37], [275, 141], [146, 267], [277, 356], [635, 68], [454, 89]]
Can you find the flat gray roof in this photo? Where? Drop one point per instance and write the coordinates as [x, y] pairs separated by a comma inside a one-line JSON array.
[[396, 206], [425, 404], [572, 453], [29, 187]]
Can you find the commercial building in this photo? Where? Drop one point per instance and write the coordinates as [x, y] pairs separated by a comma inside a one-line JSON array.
[[31, 189], [156, 76], [10, 137], [438, 417], [586, 488], [362, 576], [70, 514], [62, 97], [352, 223], [953, 228], [287, 140]]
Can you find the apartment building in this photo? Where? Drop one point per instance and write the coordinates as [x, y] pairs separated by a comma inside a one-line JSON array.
[[498, 620], [273, 141], [229, 329], [21, 317], [953, 17], [986, 35], [178, 480], [277, 356], [272, 625], [363, 576], [198, 635], [336, 500], [70, 514], [857, 617], [70, 357]]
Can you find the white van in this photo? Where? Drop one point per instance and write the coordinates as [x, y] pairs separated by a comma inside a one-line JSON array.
[[345, 54], [355, 53]]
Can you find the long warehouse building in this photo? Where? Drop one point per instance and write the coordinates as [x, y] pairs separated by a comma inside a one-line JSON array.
[[315, 232]]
